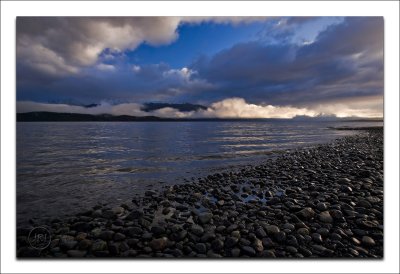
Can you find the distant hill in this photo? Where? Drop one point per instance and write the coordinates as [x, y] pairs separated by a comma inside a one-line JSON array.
[[181, 107], [77, 117]]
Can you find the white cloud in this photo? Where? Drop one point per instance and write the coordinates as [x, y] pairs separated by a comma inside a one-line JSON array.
[[136, 68], [239, 108], [65, 44], [105, 67]]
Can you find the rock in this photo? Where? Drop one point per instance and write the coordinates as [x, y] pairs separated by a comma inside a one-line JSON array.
[[268, 194], [292, 240], [322, 206], [96, 232], [303, 231], [159, 244], [157, 230], [355, 241], [364, 204], [323, 231], [269, 254], [197, 230], [344, 181], [205, 218], [346, 189], [235, 252], [336, 237], [336, 214], [367, 241], [108, 214], [134, 215], [217, 244], [67, 242], [235, 233], [107, 235], [291, 249], [201, 248], [97, 213], [84, 244], [81, 236], [118, 210], [280, 236], [323, 251], [249, 251], [258, 246], [76, 253], [305, 251], [306, 213], [272, 229], [147, 236], [81, 226], [325, 217], [260, 233], [288, 226], [208, 236], [231, 242], [268, 243], [99, 245], [119, 237], [113, 249], [316, 238], [179, 235]]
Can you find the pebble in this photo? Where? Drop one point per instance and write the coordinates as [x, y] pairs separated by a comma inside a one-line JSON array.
[[316, 238], [303, 231], [197, 230], [367, 241], [272, 229], [99, 245], [325, 217], [205, 217], [159, 244], [248, 250], [306, 213], [231, 242]]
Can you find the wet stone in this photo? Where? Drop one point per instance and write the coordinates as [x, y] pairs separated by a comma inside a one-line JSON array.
[[231, 242], [248, 250], [325, 217], [159, 244], [367, 241]]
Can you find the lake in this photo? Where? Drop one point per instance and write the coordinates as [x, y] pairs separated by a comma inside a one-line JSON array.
[[66, 167]]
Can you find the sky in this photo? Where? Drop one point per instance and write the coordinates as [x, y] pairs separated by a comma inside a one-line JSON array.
[[239, 67]]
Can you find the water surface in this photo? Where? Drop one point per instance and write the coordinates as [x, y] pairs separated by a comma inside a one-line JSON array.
[[65, 167]]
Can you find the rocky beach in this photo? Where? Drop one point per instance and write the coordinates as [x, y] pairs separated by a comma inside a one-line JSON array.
[[322, 201]]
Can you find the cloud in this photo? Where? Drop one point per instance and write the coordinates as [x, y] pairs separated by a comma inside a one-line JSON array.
[[64, 45], [345, 62], [105, 67], [69, 59], [228, 108], [239, 108]]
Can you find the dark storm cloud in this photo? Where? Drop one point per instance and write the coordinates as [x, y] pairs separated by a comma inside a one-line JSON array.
[[345, 61]]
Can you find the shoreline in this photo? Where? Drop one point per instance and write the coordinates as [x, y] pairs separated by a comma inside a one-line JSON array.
[[320, 201]]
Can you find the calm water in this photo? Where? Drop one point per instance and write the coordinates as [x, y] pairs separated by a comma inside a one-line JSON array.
[[65, 167]]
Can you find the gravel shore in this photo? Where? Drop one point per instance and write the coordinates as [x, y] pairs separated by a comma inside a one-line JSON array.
[[324, 201]]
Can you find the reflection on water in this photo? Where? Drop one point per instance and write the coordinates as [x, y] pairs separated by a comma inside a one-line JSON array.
[[71, 166]]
